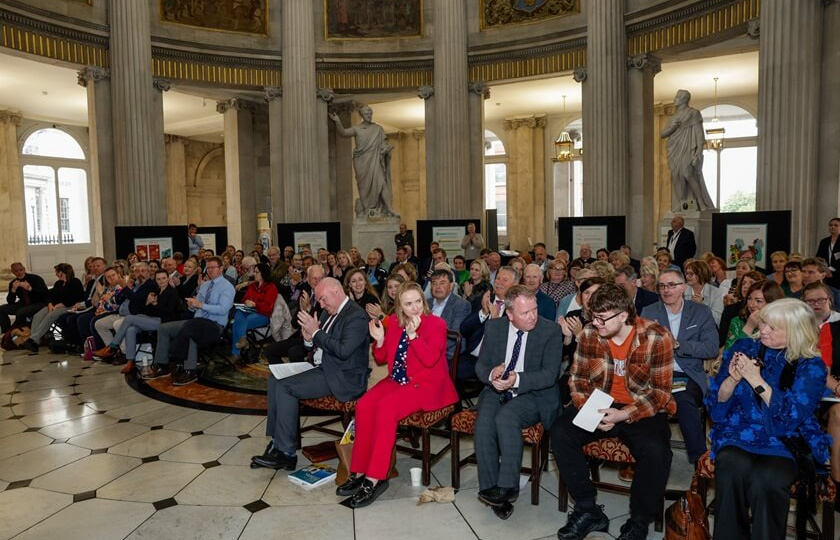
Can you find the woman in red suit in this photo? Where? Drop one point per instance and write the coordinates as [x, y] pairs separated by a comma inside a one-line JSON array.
[[414, 346]]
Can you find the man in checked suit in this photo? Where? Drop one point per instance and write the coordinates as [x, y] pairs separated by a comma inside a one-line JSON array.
[[519, 362], [340, 344]]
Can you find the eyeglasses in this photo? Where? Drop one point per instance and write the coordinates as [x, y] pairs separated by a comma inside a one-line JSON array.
[[689, 274], [816, 301], [668, 286], [601, 320]]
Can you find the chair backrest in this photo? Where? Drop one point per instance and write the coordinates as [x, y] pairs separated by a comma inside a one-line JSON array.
[[453, 362]]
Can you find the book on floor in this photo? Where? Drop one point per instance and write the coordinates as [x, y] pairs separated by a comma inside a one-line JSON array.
[[313, 475]]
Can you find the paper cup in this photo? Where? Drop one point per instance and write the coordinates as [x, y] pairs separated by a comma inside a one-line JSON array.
[[416, 476]]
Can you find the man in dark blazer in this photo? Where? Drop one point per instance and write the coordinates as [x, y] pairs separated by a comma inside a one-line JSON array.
[[695, 340], [340, 352], [829, 249], [625, 278], [680, 241], [447, 305], [519, 363], [27, 295]]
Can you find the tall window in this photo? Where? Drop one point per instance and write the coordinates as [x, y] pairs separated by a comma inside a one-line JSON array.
[[730, 172], [495, 180], [56, 189]]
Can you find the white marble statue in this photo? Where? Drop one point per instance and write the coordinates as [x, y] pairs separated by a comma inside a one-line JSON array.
[[686, 141], [372, 164]]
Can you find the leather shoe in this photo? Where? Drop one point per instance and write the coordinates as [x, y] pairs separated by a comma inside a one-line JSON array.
[[633, 530], [154, 371], [184, 377], [580, 524], [351, 486], [368, 493], [275, 459], [497, 496]]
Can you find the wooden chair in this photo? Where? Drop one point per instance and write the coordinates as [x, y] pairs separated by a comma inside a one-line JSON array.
[[429, 422], [610, 450], [826, 495], [463, 423], [329, 404]]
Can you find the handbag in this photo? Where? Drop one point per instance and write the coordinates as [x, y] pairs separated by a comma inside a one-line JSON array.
[[345, 455], [686, 519]]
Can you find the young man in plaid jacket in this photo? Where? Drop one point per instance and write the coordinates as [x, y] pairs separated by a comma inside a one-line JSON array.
[[632, 359]]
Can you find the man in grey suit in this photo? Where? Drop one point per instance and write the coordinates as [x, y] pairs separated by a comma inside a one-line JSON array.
[[520, 362], [695, 340], [340, 346], [447, 305]]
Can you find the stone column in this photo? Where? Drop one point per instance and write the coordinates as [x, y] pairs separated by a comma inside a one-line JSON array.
[[328, 190], [97, 83], [301, 154], [176, 179], [641, 227], [828, 202], [525, 181], [274, 96], [474, 205], [13, 248], [239, 171], [449, 188], [580, 75], [341, 170], [137, 152], [427, 94], [789, 114], [605, 154]]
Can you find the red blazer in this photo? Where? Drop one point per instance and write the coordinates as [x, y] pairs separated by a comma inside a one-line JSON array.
[[426, 364], [262, 297]]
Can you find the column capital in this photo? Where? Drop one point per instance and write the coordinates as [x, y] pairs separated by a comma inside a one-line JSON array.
[[92, 73], [530, 122], [175, 139], [396, 135], [666, 109], [325, 94], [418, 134], [580, 74], [425, 92], [644, 62], [270, 93], [481, 88], [237, 104], [162, 84], [754, 28], [10, 117], [341, 107]]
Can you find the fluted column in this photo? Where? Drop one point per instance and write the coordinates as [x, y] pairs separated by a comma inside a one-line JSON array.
[[239, 171], [12, 217], [449, 190], [341, 170], [474, 204], [302, 199], [605, 127], [327, 189], [640, 227], [828, 203], [525, 180], [789, 113], [427, 94], [176, 178], [273, 95], [97, 83], [136, 147]]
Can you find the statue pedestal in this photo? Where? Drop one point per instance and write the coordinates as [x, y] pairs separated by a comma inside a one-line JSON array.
[[698, 222], [369, 233]]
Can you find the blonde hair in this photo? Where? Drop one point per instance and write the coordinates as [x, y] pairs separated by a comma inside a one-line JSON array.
[[603, 270], [800, 324], [404, 288]]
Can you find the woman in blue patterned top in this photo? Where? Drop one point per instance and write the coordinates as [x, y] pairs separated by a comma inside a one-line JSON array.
[[766, 391]]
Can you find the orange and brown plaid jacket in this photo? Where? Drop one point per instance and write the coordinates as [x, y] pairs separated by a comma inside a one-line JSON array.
[[650, 369]]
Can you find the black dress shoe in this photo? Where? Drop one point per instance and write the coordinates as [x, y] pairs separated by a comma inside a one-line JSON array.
[[580, 524], [497, 496], [30, 345], [368, 493], [275, 459], [351, 486]]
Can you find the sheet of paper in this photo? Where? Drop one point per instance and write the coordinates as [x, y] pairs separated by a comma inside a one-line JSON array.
[[281, 371], [588, 416]]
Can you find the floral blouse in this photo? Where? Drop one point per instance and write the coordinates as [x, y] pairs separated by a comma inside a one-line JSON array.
[[746, 422]]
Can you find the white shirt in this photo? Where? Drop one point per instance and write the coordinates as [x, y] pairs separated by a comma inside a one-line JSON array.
[[482, 317], [674, 320], [316, 356], [520, 362]]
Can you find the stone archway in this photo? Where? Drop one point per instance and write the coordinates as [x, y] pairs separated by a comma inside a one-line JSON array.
[[206, 190]]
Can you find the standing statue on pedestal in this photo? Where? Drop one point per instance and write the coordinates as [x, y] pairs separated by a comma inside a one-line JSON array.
[[372, 164], [686, 141]]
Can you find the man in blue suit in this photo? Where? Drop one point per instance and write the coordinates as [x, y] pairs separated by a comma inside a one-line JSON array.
[[625, 277], [533, 278], [447, 305], [695, 340]]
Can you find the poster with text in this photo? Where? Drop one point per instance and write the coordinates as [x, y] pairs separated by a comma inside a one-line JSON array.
[[314, 240], [594, 235], [449, 239], [743, 238], [209, 241], [153, 249]]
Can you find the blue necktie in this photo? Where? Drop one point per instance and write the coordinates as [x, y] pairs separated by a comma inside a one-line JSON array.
[[399, 373], [207, 294], [517, 345]]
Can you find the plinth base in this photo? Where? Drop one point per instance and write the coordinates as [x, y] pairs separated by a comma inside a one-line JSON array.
[[369, 233]]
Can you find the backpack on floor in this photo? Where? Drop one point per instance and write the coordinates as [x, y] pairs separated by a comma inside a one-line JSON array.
[[12, 339]]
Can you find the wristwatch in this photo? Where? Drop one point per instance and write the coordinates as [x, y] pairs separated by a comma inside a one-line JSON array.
[[759, 390]]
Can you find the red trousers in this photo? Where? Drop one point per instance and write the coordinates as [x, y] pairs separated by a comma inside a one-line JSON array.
[[377, 414]]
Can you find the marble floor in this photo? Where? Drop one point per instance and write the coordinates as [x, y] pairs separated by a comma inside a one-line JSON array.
[[83, 456]]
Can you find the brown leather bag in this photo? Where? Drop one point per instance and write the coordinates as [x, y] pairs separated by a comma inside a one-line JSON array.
[[686, 519], [345, 454]]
